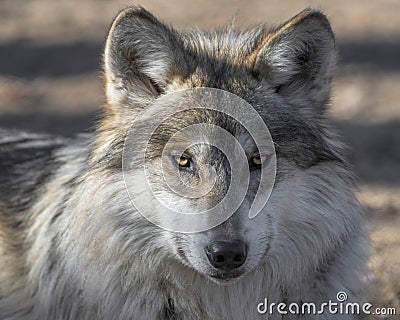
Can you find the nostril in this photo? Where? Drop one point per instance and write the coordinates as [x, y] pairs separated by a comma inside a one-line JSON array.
[[238, 258], [219, 258]]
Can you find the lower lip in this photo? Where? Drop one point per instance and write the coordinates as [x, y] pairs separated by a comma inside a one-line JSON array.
[[226, 277]]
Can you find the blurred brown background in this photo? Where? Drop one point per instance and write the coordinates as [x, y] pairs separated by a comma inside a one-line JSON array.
[[50, 57]]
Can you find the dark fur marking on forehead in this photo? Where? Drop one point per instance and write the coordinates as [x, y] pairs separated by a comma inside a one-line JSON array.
[[220, 74], [186, 118]]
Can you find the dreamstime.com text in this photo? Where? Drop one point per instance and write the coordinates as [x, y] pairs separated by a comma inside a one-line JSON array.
[[340, 306]]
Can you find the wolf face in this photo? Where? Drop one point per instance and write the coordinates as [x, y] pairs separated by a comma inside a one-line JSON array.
[[196, 163], [284, 74]]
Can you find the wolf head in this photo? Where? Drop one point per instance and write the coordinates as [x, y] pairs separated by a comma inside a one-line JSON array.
[[284, 74]]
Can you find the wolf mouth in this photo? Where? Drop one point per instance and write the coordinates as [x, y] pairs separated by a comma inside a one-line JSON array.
[[225, 277]]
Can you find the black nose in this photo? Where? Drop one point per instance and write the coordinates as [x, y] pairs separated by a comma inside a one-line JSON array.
[[226, 255]]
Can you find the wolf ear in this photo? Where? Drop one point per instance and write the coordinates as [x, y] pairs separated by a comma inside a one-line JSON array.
[[140, 53], [298, 59]]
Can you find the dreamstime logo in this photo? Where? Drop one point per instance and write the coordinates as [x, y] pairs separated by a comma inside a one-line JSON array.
[[339, 307], [187, 119], [341, 296]]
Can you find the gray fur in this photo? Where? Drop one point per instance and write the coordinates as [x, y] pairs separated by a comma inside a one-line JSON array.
[[72, 245]]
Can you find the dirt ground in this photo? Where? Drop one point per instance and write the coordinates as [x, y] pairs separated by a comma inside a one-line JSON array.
[[50, 57]]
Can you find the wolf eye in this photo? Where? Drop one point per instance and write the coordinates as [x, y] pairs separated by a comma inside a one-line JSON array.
[[183, 162], [258, 160]]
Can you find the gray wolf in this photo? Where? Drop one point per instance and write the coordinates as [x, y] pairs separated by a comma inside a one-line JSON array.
[[73, 246]]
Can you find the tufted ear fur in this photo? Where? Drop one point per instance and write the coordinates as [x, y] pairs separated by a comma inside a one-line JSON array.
[[298, 58], [140, 54]]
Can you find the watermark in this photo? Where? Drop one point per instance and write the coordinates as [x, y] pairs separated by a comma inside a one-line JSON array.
[[177, 122], [339, 306]]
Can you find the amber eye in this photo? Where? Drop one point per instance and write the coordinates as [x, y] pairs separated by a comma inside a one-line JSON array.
[[258, 160], [183, 162]]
